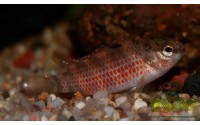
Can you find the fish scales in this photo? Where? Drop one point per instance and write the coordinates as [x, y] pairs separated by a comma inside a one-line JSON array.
[[120, 66]]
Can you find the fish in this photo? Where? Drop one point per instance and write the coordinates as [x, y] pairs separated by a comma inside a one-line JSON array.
[[120, 66], [175, 84]]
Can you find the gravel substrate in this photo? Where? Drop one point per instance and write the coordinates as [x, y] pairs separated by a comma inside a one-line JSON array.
[[102, 106]]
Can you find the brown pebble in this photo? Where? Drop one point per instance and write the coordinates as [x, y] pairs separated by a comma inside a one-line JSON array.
[[111, 103], [99, 113], [116, 116], [72, 118], [185, 95], [78, 95], [144, 116], [43, 96], [34, 117], [144, 109], [6, 86], [121, 112], [53, 117]]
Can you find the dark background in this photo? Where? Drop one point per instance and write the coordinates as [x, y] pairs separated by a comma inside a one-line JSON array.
[[19, 21]]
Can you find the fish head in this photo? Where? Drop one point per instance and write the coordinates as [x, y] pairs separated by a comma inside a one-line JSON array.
[[160, 56]]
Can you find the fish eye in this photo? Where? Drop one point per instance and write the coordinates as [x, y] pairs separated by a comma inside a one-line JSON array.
[[167, 86], [168, 50]]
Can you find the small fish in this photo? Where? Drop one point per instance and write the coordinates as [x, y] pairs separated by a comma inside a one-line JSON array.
[[120, 66], [175, 84]]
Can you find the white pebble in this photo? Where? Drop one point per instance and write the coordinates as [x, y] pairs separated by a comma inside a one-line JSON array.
[[120, 100], [76, 113], [18, 79], [80, 105], [53, 117], [58, 102], [108, 110], [67, 113], [132, 115], [139, 103], [124, 119], [87, 98], [46, 114], [163, 96], [12, 91], [52, 96], [40, 103], [44, 118], [125, 105], [190, 112], [116, 116], [100, 95], [25, 118], [145, 96], [136, 95], [110, 102], [1, 104]]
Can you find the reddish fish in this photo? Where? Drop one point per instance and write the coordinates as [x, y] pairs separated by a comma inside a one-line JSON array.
[[120, 66], [175, 84]]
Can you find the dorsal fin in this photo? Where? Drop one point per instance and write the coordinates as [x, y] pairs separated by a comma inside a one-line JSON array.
[[113, 50]]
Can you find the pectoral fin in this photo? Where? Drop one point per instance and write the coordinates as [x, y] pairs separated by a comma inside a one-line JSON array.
[[140, 85]]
